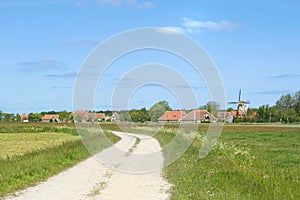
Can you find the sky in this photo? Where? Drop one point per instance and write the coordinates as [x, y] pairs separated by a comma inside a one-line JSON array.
[[254, 45]]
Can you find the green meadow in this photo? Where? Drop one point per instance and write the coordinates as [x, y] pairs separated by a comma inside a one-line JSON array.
[[248, 162]]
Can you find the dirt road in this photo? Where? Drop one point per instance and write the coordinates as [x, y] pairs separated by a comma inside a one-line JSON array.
[[91, 179]]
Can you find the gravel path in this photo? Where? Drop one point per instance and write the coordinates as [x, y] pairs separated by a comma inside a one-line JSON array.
[[91, 179]]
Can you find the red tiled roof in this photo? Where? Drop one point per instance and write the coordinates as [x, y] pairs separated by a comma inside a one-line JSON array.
[[84, 115], [198, 115], [80, 112], [100, 115], [24, 116], [234, 113], [49, 116], [172, 116], [224, 114]]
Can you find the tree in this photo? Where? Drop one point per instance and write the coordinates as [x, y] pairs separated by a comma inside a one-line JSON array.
[[229, 109], [285, 101], [213, 107], [139, 115], [108, 113], [297, 102], [18, 117], [7, 117], [288, 106], [35, 117], [273, 114], [143, 115], [134, 115], [64, 116], [124, 115], [262, 113], [158, 109], [1, 115]]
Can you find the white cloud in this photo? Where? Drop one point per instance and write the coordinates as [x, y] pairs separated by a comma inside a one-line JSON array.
[[287, 76], [42, 65], [170, 30], [194, 26], [64, 76], [130, 3], [81, 3], [147, 4]]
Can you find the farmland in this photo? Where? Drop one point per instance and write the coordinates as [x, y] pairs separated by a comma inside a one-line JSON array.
[[13, 144], [31, 153], [248, 162]]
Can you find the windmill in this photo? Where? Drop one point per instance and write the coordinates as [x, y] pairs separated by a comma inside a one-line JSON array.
[[242, 106]]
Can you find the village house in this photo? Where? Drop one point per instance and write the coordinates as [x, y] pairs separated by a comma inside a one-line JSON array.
[[115, 117], [80, 116], [85, 116], [235, 113], [172, 116], [199, 116], [100, 117], [50, 118], [225, 116], [24, 117], [241, 114]]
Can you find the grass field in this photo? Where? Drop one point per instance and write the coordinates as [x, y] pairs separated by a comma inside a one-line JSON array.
[[249, 161], [13, 144], [9, 127], [252, 162], [30, 153]]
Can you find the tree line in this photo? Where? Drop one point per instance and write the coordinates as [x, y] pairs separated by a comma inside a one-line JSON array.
[[285, 110]]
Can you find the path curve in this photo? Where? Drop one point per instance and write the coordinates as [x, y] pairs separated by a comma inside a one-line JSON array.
[[91, 179]]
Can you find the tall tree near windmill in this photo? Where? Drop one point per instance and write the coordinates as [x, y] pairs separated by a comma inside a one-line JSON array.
[[242, 106]]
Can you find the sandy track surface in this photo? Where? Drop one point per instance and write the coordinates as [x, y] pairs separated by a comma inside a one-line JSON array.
[[91, 179]]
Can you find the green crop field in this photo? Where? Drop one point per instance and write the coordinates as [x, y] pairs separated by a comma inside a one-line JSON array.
[[30, 153], [13, 144], [249, 162]]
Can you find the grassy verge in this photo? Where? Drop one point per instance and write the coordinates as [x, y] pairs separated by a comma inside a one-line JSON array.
[[244, 165], [21, 171]]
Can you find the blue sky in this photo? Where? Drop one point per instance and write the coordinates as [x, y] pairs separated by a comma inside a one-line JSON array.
[[254, 44]]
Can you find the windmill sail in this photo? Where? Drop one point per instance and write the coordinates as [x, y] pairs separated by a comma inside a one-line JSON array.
[[242, 106]]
